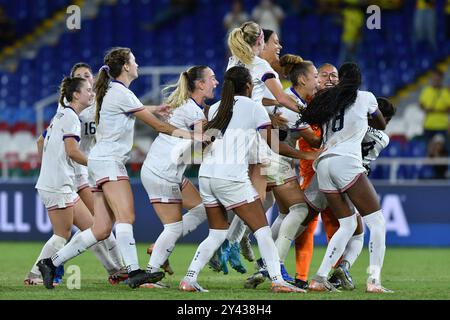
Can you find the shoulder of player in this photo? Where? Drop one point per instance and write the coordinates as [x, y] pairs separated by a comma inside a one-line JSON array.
[[69, 113], [118, 89], [242, 100], [213, 109], [261, 63], [365, 94], [188, 105]]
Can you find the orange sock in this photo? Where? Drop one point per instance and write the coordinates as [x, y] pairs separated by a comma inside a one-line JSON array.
[[304, 246], [330, 223]]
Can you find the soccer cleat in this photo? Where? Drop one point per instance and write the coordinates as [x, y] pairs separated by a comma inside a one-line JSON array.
[[341, 273], [138, 277], [299, 283], [254, 280], [191, 286], [235, 258], [33, 280], [321, 284], [224, 254], [119, 276], [166, 265], [259, 265], [374, 286], [214, 263], [285, 288], [285, 274], [156, 285], [48, 271], [59, 273], [246, 249], [335, 281]]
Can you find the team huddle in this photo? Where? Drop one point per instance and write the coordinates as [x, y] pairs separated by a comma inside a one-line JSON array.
[[248, 146]]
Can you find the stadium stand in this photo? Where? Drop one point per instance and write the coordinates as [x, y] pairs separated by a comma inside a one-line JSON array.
[[388, 62]]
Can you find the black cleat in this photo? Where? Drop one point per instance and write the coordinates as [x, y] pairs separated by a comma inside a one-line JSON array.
[[48, 271], [138, 277], [335, 281], [343, 275], [299, 283]]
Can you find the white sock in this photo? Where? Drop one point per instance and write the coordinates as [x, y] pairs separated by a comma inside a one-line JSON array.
[[113, 250], [268, 201], [336, 246], [353, 249], [127, 245], [236, 230], [53, 245], [269, 253], [289, 228], [77, 245], [205, 251], [276, 225], [164, 245], [377, 243], [193, 218], [101, 253]]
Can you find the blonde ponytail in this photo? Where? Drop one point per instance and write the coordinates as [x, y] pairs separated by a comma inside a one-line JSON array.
[[181, 91], [241, 40], [185, 86]]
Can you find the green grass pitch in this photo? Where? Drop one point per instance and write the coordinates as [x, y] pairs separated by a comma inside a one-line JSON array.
[[413, 273]]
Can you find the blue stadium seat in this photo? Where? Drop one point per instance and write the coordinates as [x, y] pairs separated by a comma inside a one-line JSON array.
[[388, 65], [394, 149], [416, 148]]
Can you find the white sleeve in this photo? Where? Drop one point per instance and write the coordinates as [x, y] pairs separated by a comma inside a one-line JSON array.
[[372, 103], [71, 126], [263, 70], [261, 117], [129, 103]]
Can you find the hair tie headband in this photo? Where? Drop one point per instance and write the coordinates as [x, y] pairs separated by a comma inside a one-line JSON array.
[[261, 35], [106, 68]]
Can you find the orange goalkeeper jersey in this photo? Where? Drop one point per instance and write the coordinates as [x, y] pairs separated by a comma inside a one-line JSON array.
[[306, 170]]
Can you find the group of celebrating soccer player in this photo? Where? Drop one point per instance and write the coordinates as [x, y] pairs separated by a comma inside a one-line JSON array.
[[249, 143]]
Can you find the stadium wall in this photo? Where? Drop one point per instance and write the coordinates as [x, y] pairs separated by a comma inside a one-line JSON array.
[[415, 216]]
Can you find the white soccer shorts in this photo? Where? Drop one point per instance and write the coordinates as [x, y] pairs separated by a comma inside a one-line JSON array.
[[230, 194], [336, 173]]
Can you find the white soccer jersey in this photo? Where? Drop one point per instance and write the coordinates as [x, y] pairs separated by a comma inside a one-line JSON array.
[[259, 69], [116, 126], [228, 156], [57, 169], [373, 143], [295, 126], [168, 156], [88, 129], [344, 133], [292, 116]]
